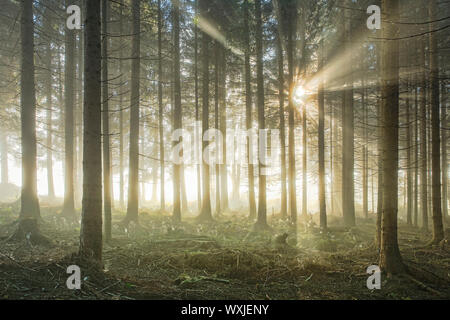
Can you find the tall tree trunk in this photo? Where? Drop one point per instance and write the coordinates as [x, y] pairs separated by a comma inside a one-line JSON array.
[[444, 138], [91, 220], [348, 196], [177, 106], [223, 130], [69, 75], [291, 14], [29, 211], [121, 112], [438, 229], [216, 121], [390, 258], [160, 109], [49, 106], [365, 152], [261, 222], [248, 112], [105, 114], [409, 199], [423, 143], [133, 172], [304, 164], [283, 211], [197, 113], [416, 155], [205, 213], [321, 129]]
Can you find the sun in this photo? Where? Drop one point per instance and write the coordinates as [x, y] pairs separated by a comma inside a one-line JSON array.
[[299, 92]]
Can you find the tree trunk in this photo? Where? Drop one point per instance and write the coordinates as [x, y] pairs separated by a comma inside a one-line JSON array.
[[283, 211], [49, 106], [248, 113], [105, 114], [91, 220], [216, 121], [423, 143], [416, 155], [29, 211], [348, 192], [205, 214], [177, 106], [438, 229], [444, 135], [197, 113], [261, 222], [133, 175], [223, 130], [409, 199], [321, 129], [121, 113], [69, 75], [160, 109], [304, 164], [390, 258]]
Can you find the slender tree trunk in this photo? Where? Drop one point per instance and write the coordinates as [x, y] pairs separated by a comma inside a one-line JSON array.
[[177, 107], [29, 211], [291, 13], [416, 156], [205, 213], [133, 172], [121, 112], [444, 134], [49, 106], [105, 114], [365, 153], [216, 121], [348, 196], [160, 109], [261, 222], [304, 164], [248, 113], [197, 113], [390, 258], [438, 229], [69, 95], [283, 211], [409, 199], [91, 220], [223, 130], [321, 129], [423, 143]]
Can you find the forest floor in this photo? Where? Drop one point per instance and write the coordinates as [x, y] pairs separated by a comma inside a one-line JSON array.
[[221, 260]]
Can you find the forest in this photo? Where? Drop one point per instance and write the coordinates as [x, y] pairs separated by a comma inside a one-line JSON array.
[[224, 150]]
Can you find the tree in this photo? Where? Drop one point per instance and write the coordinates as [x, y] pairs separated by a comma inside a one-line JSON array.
[[133, 176], [248, 111], [49, 105], [438, 229], [390, 258], [160, 109], [69, 80], [321, 129], [177, 124], [261, 222], [205, 213], [281, 98], [91, 216], [106, 134], [29, 210], [348, 196]]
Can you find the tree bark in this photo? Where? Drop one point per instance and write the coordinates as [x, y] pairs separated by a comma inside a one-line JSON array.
[[160, 110], [91, 220], [321, 129], [438, 229], [248, 112], [205, 214], [105, 115], [133, 175], [69, 75], [390, 258]]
